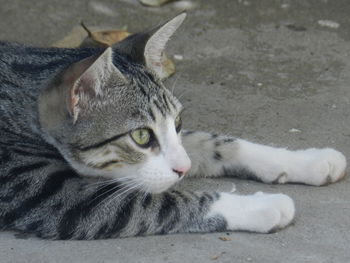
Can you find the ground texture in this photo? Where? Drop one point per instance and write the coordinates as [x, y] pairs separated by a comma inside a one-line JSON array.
[[267, 71]]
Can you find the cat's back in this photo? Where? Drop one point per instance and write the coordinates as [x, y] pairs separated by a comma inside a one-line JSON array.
[[24, 71]]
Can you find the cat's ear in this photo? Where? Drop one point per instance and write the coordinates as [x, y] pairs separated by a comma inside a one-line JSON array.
[[88, 80], [147, 47]]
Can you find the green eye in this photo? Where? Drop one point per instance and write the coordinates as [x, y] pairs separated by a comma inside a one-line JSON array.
[[178, 123], [141, 136]]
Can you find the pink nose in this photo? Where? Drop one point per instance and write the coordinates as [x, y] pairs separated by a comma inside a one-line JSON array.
[[181, 171]]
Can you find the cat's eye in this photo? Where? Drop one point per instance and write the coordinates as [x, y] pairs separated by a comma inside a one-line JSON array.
[[178, 123], [141, 136]]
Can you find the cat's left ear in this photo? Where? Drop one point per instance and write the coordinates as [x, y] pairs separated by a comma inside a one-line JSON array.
[[90, 78], [147, 47], [78, 89]]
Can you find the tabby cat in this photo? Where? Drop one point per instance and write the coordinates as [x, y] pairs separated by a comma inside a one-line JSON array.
[[91, 143]]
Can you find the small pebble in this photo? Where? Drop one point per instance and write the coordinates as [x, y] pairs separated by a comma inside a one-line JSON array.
[[153, 2], [184, 5], [328, 23], [214, 258], [294, 130], [178, 57]]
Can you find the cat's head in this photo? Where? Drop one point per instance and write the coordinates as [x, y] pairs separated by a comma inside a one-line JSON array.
[[111, 116]]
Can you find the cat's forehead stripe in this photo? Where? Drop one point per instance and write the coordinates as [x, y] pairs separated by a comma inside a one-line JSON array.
[[151, 114], [159, 107], [153, 94]]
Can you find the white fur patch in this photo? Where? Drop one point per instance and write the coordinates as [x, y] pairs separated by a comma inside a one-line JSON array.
[[259, 212], [269, 164], [311, 166], [155, 175]]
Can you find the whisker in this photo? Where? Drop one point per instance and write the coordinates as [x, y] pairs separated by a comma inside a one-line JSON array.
[[182, 94], [104, 193], [122, 185], [121, 194], [108, 181], [144, 194], [174, 83]]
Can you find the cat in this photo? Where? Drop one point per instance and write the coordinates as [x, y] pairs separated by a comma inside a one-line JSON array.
[[92, 142]]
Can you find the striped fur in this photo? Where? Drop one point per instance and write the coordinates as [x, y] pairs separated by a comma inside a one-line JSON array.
[[41, 193], [87, 179]]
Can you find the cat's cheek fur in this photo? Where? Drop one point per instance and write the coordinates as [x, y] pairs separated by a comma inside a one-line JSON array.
[[156, 176], [259, 212]]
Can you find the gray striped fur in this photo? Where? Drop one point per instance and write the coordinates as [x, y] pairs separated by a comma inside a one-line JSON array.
[[63, 134], [40, 193]]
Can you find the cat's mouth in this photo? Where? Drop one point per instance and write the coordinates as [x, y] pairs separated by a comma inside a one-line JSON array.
[[157, 185], [151, 177]]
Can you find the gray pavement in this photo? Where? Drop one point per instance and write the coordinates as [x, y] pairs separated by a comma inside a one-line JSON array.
[[266, 71]]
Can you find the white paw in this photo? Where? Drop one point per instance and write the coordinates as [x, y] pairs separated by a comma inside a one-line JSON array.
[[259, 212], [325, 166]]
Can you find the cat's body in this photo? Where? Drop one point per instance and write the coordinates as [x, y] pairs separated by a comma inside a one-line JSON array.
[[63, 134]]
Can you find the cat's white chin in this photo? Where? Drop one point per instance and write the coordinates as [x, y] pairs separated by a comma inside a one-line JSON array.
[[156, 188], [155, 176]]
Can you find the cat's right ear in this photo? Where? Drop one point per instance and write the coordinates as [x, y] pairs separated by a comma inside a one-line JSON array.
[[147, 47]]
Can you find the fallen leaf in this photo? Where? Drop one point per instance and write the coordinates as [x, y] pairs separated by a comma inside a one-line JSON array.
[[214, 258], [224, 238], [102, 38], [168, 66], [72, 39]]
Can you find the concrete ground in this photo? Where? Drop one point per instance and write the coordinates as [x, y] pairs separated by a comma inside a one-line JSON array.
[[267, 71]]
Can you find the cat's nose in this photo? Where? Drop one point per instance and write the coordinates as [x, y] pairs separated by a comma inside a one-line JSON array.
[[181, 171], [178, 160]]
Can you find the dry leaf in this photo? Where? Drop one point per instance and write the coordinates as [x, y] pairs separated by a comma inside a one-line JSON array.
[[72, 39], [102, 38], [99, 38], [154, 2], [224, 238], [168, 66], [110, 37], [214, 258]]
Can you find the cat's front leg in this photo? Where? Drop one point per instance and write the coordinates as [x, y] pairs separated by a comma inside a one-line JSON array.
[[182, 212], [259, 212], [217, 155]]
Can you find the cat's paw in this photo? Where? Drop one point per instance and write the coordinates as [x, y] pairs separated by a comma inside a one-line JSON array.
[[325, 166], [258, 213]]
